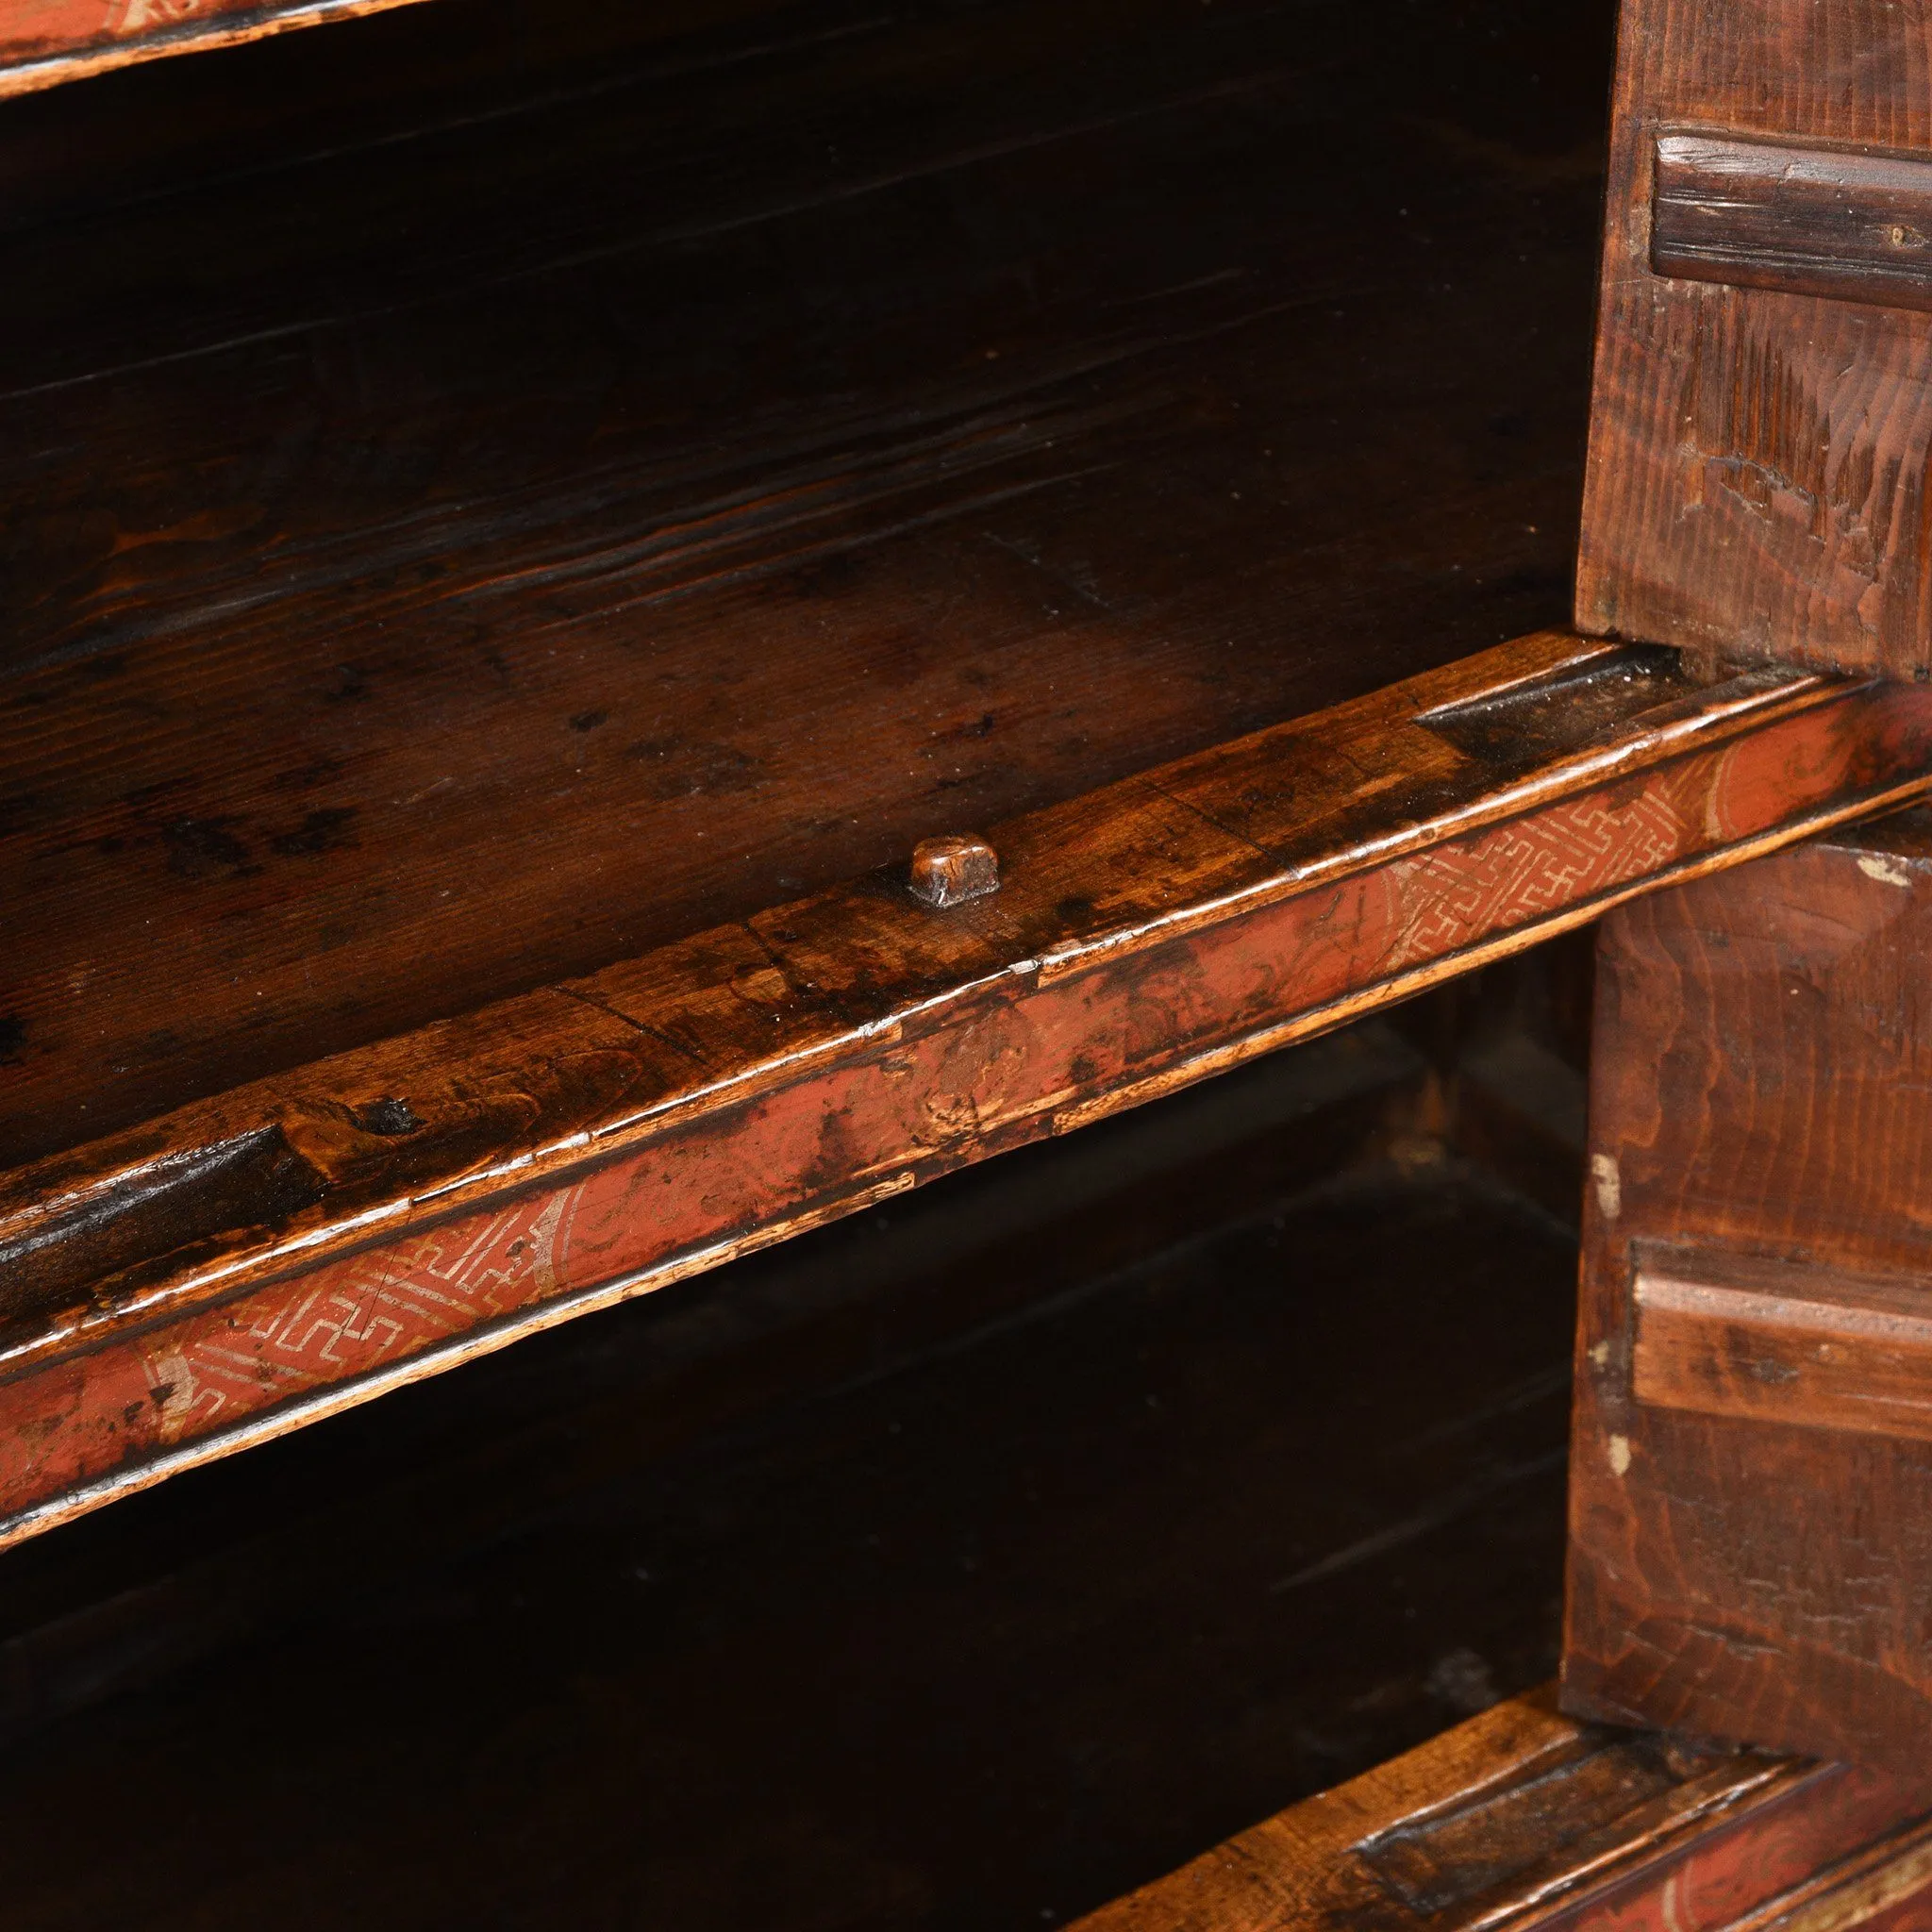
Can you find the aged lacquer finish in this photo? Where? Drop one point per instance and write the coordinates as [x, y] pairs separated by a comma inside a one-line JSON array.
[[46, 41]]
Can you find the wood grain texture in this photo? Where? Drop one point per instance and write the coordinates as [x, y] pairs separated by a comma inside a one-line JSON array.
[[447, 1192], [1803, 220], [43, 43], [1802, 1347], [1756, 482], [650, 490], [1521, 1818], [1749, 1557]]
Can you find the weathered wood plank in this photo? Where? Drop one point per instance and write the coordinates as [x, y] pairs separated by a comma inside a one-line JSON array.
[[1755, 485], [451, 1190], [683, 456], [1800, 1344]]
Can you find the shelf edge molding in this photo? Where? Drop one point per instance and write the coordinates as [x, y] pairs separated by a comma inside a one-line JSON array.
[[261, 1260], [43, 46]]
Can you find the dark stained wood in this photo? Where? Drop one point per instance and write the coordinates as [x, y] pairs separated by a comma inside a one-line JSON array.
[[43, 43], [1752, 1478], [1755, 479], [1806, 220], [1512, 1047], [446, 1192], [1523, 1818], [959, 1523], [618, 508], [976, 1250]]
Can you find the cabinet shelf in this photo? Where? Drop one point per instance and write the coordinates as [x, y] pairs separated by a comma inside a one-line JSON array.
[[454, 558]]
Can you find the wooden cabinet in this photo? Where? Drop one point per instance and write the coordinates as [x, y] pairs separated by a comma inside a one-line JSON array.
[[1746, 1529], [521, 529], [521, 524]]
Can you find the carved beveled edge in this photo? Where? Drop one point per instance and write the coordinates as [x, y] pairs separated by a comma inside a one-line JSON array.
[[716, 1021]]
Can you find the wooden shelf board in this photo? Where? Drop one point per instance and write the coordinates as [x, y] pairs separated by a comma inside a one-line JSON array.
[[497, 599], [294, 1247]]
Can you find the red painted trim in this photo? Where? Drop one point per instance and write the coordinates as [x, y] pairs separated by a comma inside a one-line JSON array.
[[1017, 1060], [1726, 1873]]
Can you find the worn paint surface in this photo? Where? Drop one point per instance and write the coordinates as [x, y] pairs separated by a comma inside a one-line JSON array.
[[1021, 1058], [1727, 1873]]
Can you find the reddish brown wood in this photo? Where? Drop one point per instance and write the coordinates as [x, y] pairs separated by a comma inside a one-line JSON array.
[[214, 1277], [948, 871], [1752, 1478], [1522, 1818], [653, 487], [1796, 1344], [1760, 434]]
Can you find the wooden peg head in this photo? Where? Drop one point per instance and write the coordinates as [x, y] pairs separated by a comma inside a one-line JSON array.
[[949, 870]]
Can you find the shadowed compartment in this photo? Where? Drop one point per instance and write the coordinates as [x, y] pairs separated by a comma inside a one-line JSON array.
[[964, 1564]]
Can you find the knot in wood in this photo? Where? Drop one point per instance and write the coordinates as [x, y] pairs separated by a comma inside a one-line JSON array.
[[947, 872]]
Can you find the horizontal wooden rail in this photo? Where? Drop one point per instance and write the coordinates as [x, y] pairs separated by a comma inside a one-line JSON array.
[[259, 1260], [1781, 1341], [1805, 220]]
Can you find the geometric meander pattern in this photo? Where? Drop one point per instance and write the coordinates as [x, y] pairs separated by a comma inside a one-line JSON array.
[[355, 1315], [57, 23], [1457, 894], [360, 1314]]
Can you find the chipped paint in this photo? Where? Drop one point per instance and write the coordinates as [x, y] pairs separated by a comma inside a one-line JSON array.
[[1888, 872], [1608, 1183]]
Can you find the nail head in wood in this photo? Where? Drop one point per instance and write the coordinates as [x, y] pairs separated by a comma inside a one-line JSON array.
[[949, 870]]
